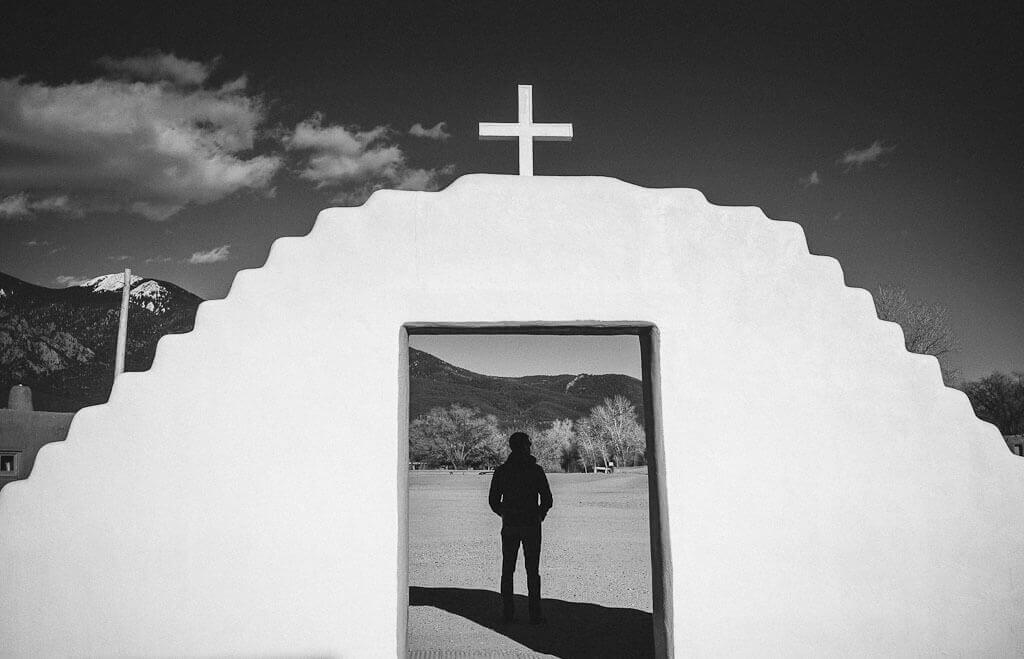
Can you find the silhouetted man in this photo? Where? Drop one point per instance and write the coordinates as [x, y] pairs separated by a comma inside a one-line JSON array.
[[515, 489]]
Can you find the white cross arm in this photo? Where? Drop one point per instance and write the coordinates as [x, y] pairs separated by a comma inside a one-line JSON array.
[[552, 132], [493, 131], [542, 132]]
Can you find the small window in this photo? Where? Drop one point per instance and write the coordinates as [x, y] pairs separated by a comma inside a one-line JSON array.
[[8, 463]]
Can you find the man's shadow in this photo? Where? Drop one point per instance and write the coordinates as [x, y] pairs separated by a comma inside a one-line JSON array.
[[573, 629]]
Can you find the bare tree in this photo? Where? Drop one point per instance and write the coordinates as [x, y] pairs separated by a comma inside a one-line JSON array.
[[999, 399], [549, 447], [590, 443], [570, 458], [456, 435], [618, 430], [926, 328]]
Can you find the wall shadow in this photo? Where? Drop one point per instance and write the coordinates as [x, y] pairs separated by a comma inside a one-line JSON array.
[[573, 629]]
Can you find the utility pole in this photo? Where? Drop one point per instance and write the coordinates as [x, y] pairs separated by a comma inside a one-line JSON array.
[[122, 324]]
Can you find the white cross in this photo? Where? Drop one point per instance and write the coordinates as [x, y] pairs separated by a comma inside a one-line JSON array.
[[526, 131]]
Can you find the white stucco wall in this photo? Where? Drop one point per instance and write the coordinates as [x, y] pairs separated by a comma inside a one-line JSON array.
[[826, 494]]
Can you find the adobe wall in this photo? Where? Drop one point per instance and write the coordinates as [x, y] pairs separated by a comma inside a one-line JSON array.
[[242, 497]]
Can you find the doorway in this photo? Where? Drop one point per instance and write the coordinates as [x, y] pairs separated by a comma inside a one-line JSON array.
[[576, 627]]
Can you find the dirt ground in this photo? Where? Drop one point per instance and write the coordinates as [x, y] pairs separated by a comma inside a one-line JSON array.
[[595, 570]]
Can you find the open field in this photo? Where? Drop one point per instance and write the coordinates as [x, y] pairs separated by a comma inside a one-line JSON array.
[[595, 569]]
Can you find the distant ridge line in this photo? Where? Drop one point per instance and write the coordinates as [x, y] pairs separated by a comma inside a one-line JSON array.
[[517, 401]]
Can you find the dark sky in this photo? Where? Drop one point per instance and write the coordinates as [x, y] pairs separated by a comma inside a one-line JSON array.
[[893, 136]]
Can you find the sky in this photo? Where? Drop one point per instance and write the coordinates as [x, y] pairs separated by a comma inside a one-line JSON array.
[[181, 141], [515, 355]]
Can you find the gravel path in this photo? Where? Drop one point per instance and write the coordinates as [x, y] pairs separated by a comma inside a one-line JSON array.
[[595, 570]]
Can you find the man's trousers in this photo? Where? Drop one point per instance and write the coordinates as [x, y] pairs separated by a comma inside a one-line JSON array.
[[511, 537]]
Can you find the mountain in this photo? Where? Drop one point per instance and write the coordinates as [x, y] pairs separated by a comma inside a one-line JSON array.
[[151, 294], [521, 401], [61, 341]]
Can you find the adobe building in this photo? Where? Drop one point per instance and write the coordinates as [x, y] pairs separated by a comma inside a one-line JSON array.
[[246, 496], [23, 432]]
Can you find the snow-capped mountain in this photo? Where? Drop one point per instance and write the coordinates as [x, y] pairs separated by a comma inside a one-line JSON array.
[[111, 282], [148, 293], [60, 341]]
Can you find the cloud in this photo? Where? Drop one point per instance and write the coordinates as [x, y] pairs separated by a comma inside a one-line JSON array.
[[438, 132], [15, 205], [119, 257], [148, 148], [36, 243], [159, 66], [860, 157], [154, 211], [810, 179], [338, 155], [414, 179], [69, 280], [355, 161], [20, 205], [159, 259], [59, 205], [424, 179], [214, 255]]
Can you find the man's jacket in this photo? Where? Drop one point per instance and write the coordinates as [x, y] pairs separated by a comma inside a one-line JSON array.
[[515, 489]]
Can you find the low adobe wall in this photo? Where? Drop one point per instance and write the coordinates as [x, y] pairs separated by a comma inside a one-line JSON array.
[[24, 433]]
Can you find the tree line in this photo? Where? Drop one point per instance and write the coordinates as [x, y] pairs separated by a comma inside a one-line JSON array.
[[462, 437], [997, 398]]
